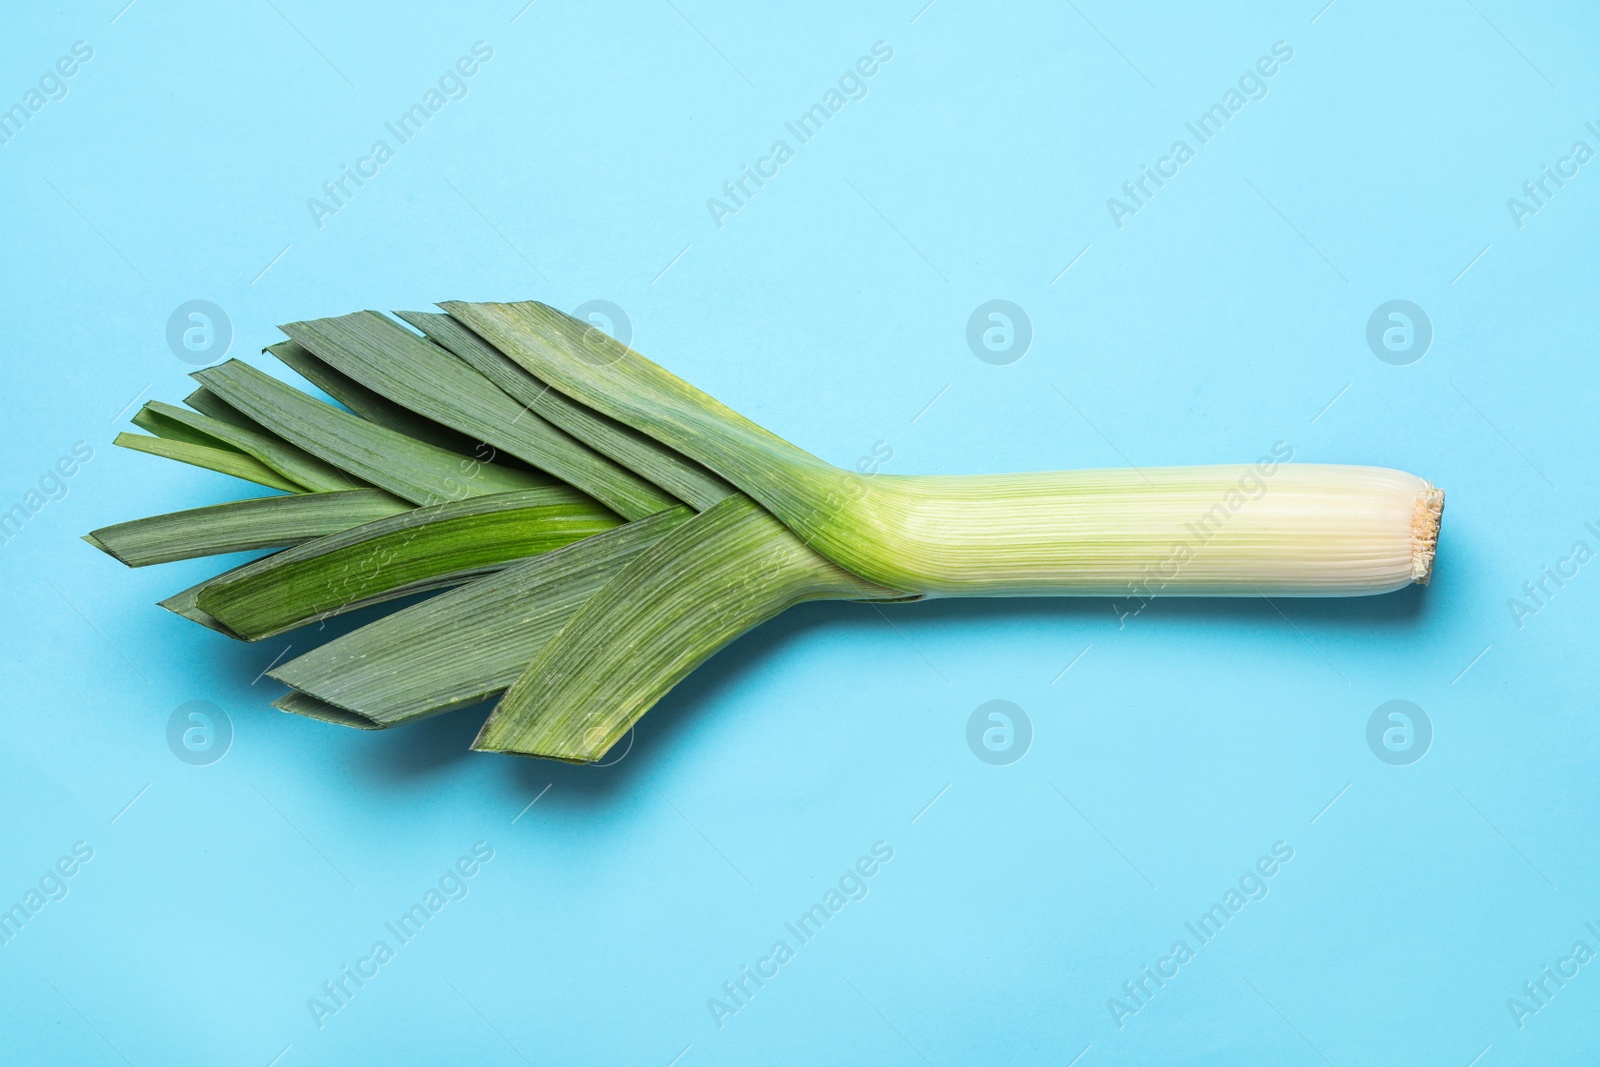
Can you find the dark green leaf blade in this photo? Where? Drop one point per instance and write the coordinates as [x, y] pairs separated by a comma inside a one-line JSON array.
[[467, 644], [221, 460], [419, 472], [640, 453], [184, 602], [243, 525], [296, 464], [421, 549], [369, 405], [206, 402], [410, 370], [148, 420], [312, 708], [725, 571]]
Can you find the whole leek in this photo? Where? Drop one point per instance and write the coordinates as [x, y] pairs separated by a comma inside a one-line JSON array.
[[593, 527]]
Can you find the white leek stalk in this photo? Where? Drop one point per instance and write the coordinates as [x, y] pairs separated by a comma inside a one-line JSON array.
[[1234, 530]]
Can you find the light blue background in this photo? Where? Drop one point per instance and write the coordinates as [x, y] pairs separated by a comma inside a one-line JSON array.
[[1226, 315]]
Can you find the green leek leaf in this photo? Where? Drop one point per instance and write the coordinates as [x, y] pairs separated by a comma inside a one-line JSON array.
[[312, 708], [678, 475], [419, 472], [206, 402], [469, 643], [265, 522], [293, 463], [725, 571], [369, 405], [426, 548], [221, 460], [185, 602], [411, 370], [149, 420]]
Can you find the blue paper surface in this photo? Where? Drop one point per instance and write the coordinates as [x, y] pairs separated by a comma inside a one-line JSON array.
[[1375, 246]]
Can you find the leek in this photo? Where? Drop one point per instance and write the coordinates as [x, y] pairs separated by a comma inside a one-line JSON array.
[[592, 528]]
